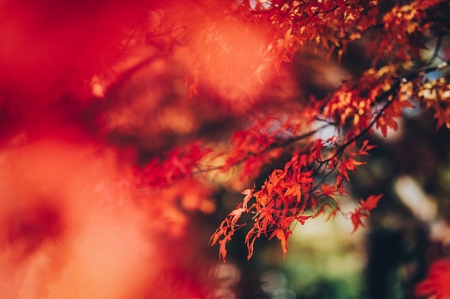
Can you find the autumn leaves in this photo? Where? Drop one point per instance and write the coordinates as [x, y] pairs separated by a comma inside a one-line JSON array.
[[306, 188]]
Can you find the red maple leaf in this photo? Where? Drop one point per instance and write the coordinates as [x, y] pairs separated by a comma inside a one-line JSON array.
[[328, 190], [248, 195], [370, 203], [349, 164], [235, 215], [283, 237], [365, 147], [356, 219], [437, 282]]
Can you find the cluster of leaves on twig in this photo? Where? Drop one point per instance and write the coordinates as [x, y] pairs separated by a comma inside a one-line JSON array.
[[315, 175], [317, 168], [328, 24]]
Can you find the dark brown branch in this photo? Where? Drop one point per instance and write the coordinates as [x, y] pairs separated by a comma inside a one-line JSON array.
[[436, 50]]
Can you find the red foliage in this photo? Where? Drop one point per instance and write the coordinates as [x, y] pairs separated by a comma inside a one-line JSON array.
[[436, 284], [154, 85], [315, 175], [364, 210]]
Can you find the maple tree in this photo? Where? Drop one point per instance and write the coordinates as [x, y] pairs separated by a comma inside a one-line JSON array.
[[211, 70]]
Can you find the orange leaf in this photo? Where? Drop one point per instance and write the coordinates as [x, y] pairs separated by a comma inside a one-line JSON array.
[[370, 203], [339, 185], [250, 244], [293, 189], [283, 239], [248, 195], [223, 250], [215, 237], [365, 147], [328, 191], [349, 164], [302, 219], [223, 244], [236, 214], [356, 219], [317, 154]]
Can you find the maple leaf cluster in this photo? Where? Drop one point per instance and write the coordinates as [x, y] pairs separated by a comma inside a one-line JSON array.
[[297, 193], [231, 50], [329, 24], [317, 169]]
